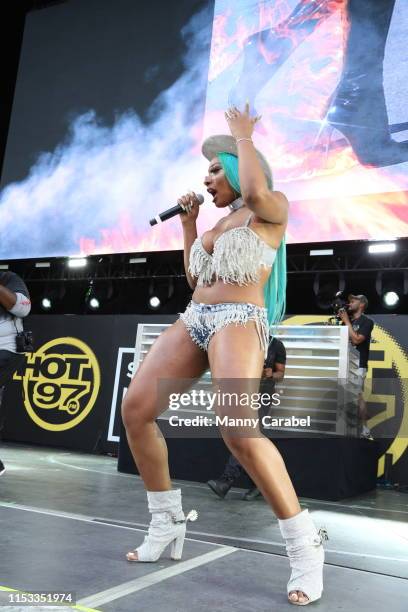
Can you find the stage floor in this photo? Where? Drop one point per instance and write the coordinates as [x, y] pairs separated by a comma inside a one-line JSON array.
[[67, 520]]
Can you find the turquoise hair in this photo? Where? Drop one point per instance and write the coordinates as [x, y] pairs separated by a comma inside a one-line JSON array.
[[275, 287]]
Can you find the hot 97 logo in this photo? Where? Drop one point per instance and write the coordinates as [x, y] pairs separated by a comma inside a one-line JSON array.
[[61, 383]]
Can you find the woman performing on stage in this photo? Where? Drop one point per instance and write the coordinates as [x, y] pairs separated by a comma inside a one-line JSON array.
[[236, 269]]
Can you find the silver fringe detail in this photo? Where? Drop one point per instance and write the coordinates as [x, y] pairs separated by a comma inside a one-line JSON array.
[[237, 255], [204, 320], [200, 265], [236, 258]]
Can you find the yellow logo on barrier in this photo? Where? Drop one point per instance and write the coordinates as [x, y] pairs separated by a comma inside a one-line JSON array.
[[61, 383], [395, 360]]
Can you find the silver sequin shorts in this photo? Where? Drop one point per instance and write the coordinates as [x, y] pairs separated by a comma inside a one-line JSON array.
[[204, 320]]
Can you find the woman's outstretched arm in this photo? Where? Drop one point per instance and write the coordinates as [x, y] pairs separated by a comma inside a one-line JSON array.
[[269, 205]]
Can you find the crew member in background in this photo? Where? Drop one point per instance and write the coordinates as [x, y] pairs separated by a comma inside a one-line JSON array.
[[14, 305], [274, 371], [360, 328]]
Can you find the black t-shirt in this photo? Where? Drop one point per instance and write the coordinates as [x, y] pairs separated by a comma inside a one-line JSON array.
[[364, 326], [276, 354]]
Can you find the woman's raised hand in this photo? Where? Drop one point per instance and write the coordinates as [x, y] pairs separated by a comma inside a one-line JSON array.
[[241, 125], [191, 206]]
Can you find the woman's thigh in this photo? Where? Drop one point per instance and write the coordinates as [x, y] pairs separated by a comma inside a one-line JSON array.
[[171, 365], [236, 362], [235, 352]]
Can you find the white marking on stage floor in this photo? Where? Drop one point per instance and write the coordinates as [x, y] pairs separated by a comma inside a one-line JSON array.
[[143, 528], [184, 483], [134, 476], [305, 500], [127, 588]]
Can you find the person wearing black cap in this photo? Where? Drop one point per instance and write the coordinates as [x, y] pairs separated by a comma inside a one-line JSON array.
[[360, 328]]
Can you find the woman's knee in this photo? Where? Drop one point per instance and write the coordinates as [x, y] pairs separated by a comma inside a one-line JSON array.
[[134, 413], [242, 448]]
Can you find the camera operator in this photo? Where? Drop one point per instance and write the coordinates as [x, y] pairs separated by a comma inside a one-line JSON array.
[[360, 328], [14, 305]]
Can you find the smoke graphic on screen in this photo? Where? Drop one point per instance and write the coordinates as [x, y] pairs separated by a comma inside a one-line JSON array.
[[97, 191]]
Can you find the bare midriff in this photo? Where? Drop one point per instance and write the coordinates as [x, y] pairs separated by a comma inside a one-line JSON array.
[[219, 292]]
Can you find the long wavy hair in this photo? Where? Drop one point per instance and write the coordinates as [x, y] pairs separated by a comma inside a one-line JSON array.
[[275, 287]]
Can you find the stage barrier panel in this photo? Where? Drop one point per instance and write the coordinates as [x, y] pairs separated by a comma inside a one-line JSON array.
[[321, 378]]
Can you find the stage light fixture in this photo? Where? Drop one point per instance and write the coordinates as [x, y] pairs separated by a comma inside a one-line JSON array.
[[391, 299], [154, 302], [91, 299], [94, 303], [46, 303], [392, 287], [53, 296], [155, 295], [160, 292], [42, 264], [318, 252], [77, 262], [136, 260], [98, 294], [382, 247]]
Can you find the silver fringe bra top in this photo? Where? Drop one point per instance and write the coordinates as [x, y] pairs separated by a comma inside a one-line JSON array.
[[238, 254]]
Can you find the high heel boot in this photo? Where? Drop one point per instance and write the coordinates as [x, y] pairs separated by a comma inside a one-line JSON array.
[[265, 51], [306, 556], [168, 526], [357, 108]]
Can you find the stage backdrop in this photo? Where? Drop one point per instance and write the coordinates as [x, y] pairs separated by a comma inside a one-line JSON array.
[[68, 393], [106, 128]]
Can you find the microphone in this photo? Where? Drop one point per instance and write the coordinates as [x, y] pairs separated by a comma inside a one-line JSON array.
[[172, 212]]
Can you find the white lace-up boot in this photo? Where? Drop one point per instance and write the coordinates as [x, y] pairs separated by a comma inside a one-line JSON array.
[[168, 526], [306, 556]]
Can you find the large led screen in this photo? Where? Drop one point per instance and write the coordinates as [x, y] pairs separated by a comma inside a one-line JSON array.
[[113, 101]]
